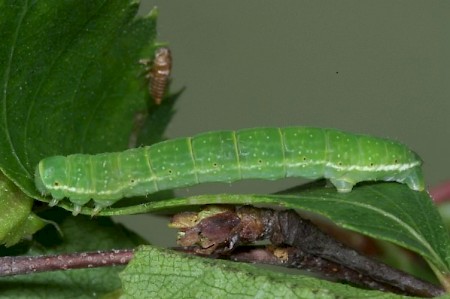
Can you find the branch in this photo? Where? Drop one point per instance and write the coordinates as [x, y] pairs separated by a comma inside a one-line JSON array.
[[293, 257], [17, 265], [219, 230]]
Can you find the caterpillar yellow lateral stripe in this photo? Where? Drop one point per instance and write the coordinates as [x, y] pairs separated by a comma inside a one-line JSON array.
[[226, 156]]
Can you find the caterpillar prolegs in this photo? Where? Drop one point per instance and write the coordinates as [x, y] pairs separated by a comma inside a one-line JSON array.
[[226, 156]]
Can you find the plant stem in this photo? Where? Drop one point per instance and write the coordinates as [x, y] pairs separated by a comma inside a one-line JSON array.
[[17, 265]]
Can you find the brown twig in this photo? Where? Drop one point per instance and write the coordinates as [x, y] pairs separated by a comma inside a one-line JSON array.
[[17, 265], [293, 257], [221, 230], [291, 229]]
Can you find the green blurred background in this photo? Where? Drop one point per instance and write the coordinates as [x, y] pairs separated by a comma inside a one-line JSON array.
[[376, 67]]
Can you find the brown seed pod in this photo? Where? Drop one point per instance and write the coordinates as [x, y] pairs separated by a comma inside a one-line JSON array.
[[160, 73]]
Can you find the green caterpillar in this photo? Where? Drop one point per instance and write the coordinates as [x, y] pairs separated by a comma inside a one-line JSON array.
[[226, 156]]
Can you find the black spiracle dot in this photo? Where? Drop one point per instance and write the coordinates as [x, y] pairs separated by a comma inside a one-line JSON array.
[[56, 184], [132, 181], [260, 161], [395, 161], [215, 164], [170, 171], [371, 164], [304, 158]]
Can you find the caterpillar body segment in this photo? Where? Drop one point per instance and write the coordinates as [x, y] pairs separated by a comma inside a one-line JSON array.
[[226, 156]]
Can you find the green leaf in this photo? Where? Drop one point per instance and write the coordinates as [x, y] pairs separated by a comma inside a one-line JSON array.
[[70, 79], [385, 211], [17, 220], [79, 234], [161, 273], [158, 118]]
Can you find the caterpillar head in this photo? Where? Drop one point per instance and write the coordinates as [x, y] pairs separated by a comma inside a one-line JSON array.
[[50, 176]]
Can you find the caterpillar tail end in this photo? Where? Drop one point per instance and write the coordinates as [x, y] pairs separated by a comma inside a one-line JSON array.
[[415, 180]]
